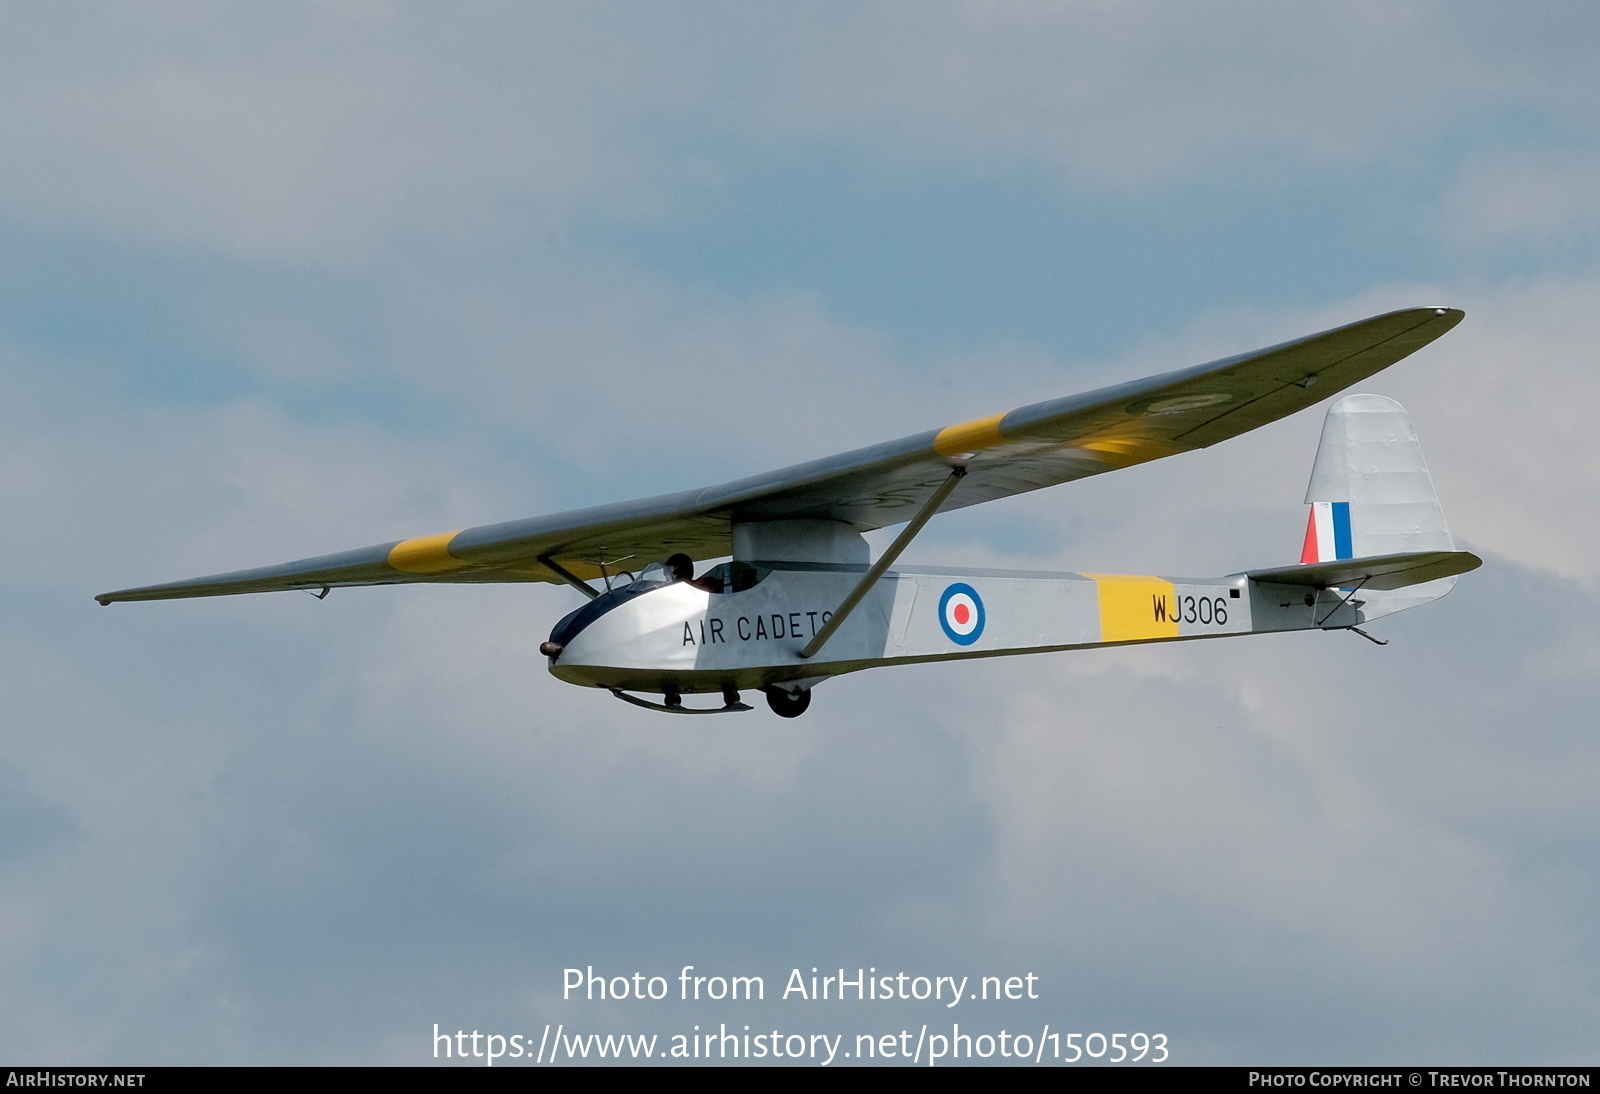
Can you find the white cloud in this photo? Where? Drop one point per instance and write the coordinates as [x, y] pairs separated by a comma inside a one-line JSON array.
[[334, 134], [276, 829], [318, 134], [1539, 202], [365, 801]]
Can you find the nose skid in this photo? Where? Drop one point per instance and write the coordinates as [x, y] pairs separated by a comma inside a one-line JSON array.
[[730, 703]]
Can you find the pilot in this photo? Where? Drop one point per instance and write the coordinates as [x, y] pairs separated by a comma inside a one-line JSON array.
[[680, 567]]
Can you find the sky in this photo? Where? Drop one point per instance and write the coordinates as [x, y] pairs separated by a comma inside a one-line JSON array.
[[284, 279]]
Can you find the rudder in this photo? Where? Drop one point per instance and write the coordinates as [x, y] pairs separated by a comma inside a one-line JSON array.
[[1371, 494]]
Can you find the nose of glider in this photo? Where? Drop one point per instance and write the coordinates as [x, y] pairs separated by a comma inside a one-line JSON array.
[[551, 650]]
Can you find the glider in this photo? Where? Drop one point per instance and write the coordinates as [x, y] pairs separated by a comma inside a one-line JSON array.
[[800, 599]]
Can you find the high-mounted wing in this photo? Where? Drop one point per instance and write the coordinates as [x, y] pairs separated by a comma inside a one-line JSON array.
[[1029, 448]]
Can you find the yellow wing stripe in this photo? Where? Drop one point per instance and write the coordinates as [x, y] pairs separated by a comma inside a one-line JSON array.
[[1135, 608], [971, 436], [426, 555], [1125, 452]]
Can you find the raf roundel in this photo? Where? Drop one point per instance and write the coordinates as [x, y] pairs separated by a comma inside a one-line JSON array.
[[961, 614]]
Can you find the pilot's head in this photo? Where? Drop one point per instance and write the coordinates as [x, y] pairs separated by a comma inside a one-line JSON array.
[[680, 567]]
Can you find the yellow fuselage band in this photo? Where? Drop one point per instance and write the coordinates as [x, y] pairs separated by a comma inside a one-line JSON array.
[[1136, 609]]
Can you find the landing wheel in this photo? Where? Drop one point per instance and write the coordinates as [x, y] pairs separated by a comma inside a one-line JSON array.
[[787, 705]]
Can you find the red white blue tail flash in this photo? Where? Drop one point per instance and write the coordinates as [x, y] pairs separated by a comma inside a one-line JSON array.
[[1328, 536]]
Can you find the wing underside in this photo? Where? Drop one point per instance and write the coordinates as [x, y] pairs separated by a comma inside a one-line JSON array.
[[1026, 449]]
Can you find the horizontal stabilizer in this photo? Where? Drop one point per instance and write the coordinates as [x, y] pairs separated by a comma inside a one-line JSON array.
[[1376, 572]]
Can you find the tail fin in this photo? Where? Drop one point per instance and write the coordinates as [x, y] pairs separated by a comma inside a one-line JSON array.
[[1371, 494]]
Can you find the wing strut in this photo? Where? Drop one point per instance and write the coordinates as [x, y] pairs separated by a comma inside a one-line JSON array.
[[870, 578], [570, 578]]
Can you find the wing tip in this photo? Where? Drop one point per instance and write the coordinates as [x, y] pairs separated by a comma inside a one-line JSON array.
[[1446, 315]]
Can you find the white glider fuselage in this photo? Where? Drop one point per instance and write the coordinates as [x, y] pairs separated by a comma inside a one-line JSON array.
[[696, 641]]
